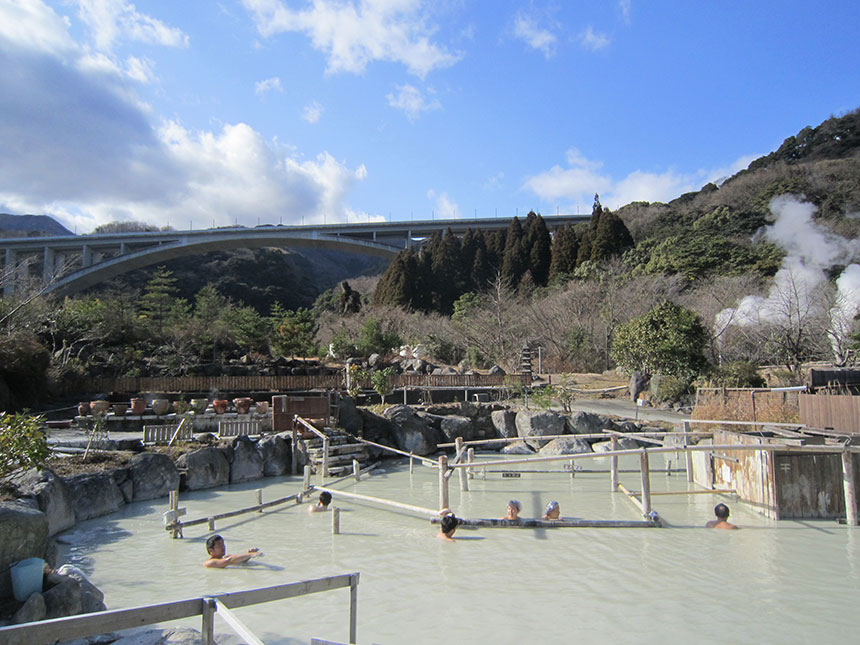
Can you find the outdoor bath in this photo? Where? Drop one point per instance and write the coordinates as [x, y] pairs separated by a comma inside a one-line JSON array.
[[787, 581]]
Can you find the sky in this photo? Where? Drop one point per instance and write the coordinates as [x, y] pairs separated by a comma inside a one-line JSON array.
[[194, 114]]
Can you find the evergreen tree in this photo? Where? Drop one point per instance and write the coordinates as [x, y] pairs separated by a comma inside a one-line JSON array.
[[159, 304], [447, 272], [482, 269], [396, 286], [610, 238], [495, 243], [514, 259], [587, 237], [539, 249], [471, 240], [565, 247]]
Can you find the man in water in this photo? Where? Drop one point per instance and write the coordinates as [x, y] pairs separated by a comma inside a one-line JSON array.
[[449, 525], [514, 508], [552, 511], [218, 559], [322, 505], [722, 522]]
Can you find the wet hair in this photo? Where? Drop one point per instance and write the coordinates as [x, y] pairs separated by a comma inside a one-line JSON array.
[[210, 543], [551, 507], [516, 504], [325, 498], [449, 523], [721, 511]]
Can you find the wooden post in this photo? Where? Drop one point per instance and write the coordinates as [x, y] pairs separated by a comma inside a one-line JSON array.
[[294, 464], [613, 464], [404, 395], [646, 483], [335, 521], [325, 458], [207, 633], [260, 500], [443, 482], [464, 479], [848, 486], [353, 609], [572, 470], [307, 481], [211, 523], [356, 470], [470, 458], [687, 453], [410, 463]]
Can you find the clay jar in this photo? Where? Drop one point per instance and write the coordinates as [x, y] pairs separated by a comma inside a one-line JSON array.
[[119, 409], [262, 407], [138, 406], [243, 404], [220, 405], [160, 406], [84, 408], [199, 405], [99, 407]]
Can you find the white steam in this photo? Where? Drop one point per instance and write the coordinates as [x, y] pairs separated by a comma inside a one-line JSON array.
[[798, 286]]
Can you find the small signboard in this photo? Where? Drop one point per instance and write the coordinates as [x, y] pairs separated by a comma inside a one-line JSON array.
[[508, 473]]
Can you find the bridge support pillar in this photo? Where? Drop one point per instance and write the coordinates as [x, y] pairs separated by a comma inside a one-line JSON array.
[[86, 257], [49, 267], [9, 271]]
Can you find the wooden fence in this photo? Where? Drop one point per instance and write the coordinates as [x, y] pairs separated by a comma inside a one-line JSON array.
[[103, 622], [292, 383], [838, 411]]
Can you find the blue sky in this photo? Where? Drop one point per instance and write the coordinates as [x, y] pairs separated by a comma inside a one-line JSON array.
[[196, 113]]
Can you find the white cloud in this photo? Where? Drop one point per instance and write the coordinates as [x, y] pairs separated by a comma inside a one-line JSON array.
[[577, 183], [78, 144], [409, 99], [268, 85], [624, 7], [354, 34], [112, 20], [527, 29], [593, 40], [312, 112], [444, 207]]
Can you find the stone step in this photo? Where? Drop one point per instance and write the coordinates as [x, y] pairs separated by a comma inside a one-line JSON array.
[[335, 460], [339, 449]]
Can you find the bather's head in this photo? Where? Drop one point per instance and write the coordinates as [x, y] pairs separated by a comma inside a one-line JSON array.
[[215, 546], [721, 511], [325, 498], [514, 508], [552, 511], [449, 524]]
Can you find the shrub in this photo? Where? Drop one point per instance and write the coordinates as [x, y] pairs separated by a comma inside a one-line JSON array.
[[23, 444]]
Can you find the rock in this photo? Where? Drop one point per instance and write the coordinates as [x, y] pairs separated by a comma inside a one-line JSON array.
[[495, 369], [92, 598], [517, 448], [625, 426], [624, 443], [504, 421], [64, 599], [247, 463], [638, 383], [205, 438], [348, 417], [174, 636], [374, 360], [463, 366], [205, 468], [565, 446], [32, 610], [457, 426], [275, 452], [23, 534], [52, 497], [153, 475], [587, 423], [94, 495], [538, 423], [412, 434]]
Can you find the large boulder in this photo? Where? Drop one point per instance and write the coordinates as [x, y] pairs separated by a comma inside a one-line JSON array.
[[411, 433], [92, 598], [94, 494], [456, 426], [532, 424], [504, 421], [587, 423], [31, 611], [51, 494], [23, 534], [204, 468], [624, 443], [565, 446], [348, 416], [247, 463], [517, 448], [64, 599], [152, 475], [275, 452]]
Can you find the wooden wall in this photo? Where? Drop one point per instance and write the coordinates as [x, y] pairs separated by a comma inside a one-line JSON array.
[[838, 411]]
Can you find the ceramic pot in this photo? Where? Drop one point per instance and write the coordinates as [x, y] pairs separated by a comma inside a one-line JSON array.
[[220, 405], [84, 408], [138, 406], [99, 407], [160, 407], [243, 404], [119, 409], [262, 407], [199, 405]]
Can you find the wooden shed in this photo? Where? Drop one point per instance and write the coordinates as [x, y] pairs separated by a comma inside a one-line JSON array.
[[782, 485]]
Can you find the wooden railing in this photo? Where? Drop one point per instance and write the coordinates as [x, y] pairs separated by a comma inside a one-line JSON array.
[[295, 383], [103, 622]]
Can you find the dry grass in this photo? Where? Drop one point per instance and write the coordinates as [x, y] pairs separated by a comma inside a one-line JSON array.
[[738, 406]]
